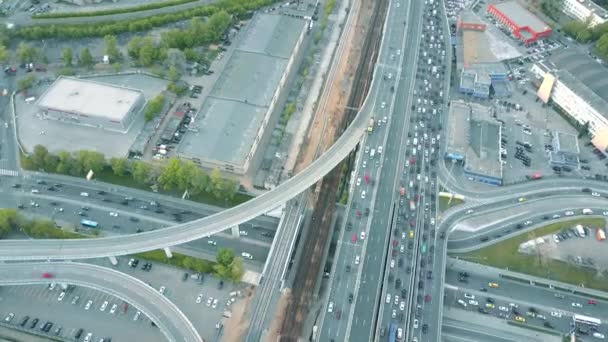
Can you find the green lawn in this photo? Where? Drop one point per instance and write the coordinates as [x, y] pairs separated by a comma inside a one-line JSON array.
[[178, 260], [505, 255], [446, 203]]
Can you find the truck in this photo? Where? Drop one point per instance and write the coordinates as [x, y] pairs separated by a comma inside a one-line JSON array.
[[580, 230], [601, 235], [412, 206], [370, 128], [392, 333]]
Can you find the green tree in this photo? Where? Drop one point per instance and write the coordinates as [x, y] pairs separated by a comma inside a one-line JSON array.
[[147, 52], [111, 48], [223, 265], [168, 178], [191, 55], [90, 160], [8, 221], [199, 182], [119, 166], [134, 46], [86, 59], [26, 82], [141, 172], [39, 157], [66, 163], [50, 162], [27, 53], [67, 56], [175, 58], [4, 54], [154, 107], [237, 270], [552, 8], [174, 74], [184, 175], [602, 46]]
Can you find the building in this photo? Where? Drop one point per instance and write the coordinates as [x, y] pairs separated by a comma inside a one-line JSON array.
[[467, 20], [584, 10], [578, 86], [524, 25], [473, 139], [483, 79], [89, 103], [565, 150], [245, 102]]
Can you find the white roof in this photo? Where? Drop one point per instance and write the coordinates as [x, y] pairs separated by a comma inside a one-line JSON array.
[[93, 99]]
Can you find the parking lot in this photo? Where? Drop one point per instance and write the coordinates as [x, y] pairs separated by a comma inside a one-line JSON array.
[[108, 316]]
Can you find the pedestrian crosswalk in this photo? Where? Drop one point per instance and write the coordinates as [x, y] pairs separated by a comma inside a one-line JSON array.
[[5, 172]]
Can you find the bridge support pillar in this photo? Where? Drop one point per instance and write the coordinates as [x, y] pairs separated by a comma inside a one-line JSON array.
[[113, 260], [235, 231], [168, 252]]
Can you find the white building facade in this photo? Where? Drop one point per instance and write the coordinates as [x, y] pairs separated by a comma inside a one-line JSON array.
[[584, 10]]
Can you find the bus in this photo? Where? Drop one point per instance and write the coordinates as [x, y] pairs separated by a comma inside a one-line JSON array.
[[88, 223], [412, 206], [423, 249], [586, 320], [392, 333]]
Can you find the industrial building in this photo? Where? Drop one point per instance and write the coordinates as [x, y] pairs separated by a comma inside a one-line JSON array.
[[473, 139], [584, 10], [243, 105], [482, 80], [578, 85], [524, 25], [89, 103], [565, 150]]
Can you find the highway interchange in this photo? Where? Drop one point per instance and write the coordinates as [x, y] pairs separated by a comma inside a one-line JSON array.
[[384, 178]]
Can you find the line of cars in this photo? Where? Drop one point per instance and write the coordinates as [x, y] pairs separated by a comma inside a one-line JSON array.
[[29, 323]]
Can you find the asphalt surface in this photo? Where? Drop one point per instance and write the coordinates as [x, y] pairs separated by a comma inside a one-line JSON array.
[[171, 321], [368, 193]]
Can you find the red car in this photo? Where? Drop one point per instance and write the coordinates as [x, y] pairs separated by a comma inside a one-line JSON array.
[[592, 302], [354, 238], [412, 161], [395, 243], [427, 298], [47, 275], [412, 223]]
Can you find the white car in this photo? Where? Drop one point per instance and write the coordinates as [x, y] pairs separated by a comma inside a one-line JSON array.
[[88, 306], [137, 314], [605, 213], [212, 243], [363, 194], [402, 306], [576, 305], [396, 299], [383, 104], [595, 194], [362, 236], [89, 337], [461, 302], [61, 296], [162, 290], [113, 214], [556, 216], [541, 317], [527, 223], [358, 181], [113, 309], [392, 263], [357, 258], [556, 314], [209, 301], [330, 307], [513, 305], [214, 304], [243, 233], [473, 302], [199, 298], [394, 313], [388, 298], [415, 324], [432, 221], [403, 235], [503, 308], [469, 296], [401, 248], [104, 306], [470, 211], [569, 213]]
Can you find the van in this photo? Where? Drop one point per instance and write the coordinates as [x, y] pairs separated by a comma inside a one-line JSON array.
[[84, 194], [587, 211]]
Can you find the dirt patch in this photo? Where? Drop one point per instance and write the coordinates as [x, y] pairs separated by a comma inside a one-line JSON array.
[[236, 326], [275, 327]]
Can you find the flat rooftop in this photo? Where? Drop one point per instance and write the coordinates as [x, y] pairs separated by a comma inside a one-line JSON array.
[[228, 123], [483, 154], [475, 48], [90, 98], [568, 143], [521, 16], [458, 128], [586, 70]]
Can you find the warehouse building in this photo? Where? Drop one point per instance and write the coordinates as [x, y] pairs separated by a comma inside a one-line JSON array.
[[524, 25], [89, 103], [473, 139], [579, 87], [584, 10], [244, 104], [482, 79], [565, 150]]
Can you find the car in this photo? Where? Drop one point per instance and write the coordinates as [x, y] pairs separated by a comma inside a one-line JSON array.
[[363, 194], [247, 256], [490, 306], [9, 317], [88, 338], [47, 275], [34, 322], [469, 296], [358, 181], [396, 299], [393, 263], [427, 298], [88, 305], [388, 298], [362, 236], [394, 313], [595, 194], [569, 213], [473, 302], [61, 296], [75, 300], [357, 259], [503, 308], [415, 323], [520, 319], [209, 301], [136, 316], [330, 307], [402, 306], [521, 199], [591, 302], [114, 214], [493, 285], [162, 290], [556, 314], [411, 234], [104, 306], [214, 304], [462, 302], [576, 305]]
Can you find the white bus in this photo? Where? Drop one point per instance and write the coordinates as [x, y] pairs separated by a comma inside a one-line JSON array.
[[586, 320]]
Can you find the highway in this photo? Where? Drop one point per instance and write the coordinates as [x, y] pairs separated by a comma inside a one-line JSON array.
[[171, 321], [361, 244]]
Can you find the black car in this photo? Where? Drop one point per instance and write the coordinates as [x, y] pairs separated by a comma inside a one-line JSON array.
[[24, 321], [34, 322], [350, 297], [134, 219], [425, 328]]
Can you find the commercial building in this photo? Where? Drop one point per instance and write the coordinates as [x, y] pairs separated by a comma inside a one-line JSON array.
[[473, 139], [584, 10], [482, 80], [565, 150], [467, 20], [524, 25], [243, 105], [90, 103], [578, 85]]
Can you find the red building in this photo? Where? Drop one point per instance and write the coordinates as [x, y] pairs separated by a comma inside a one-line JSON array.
[[469, 21], [524, 25]]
